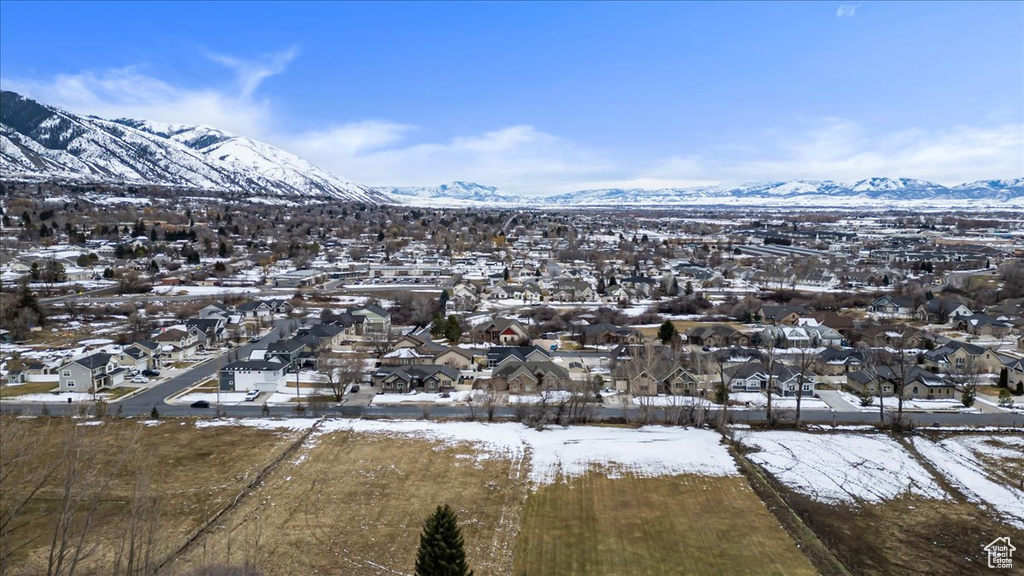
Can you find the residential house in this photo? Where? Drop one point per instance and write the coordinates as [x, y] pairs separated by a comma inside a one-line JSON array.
[[983, 325], [428, 378], [376, 320], [607, 333], [779, 315], [178, 343], [92, 373], [941, 310], [248, 375], [754, 377], [917, 382], [503, 331], [518, 376]]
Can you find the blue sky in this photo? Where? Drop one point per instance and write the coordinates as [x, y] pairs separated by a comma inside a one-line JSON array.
[[555, 97]]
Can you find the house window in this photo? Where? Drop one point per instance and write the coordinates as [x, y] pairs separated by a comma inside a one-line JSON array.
[[66, 373], [71, 383]]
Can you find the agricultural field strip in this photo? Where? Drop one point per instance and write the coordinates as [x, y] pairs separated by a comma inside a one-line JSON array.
[[958, 459], [554, 453], [837, 468]]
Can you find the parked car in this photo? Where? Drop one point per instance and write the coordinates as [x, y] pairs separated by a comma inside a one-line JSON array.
[[354, 388], [200, 404], [252, 395], [254, 339], [140, 379], [150, 373]]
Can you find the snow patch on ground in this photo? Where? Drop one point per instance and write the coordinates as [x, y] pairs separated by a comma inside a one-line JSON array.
[[836, 468], [960, 465]]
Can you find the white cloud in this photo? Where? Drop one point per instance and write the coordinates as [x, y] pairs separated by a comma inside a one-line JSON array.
[[127, 92], [517, 158], [840, 149], [250, 74], [526, 159], [847, 10]]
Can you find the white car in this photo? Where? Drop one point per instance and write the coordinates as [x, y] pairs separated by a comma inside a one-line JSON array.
[[140, 380], [252, 395]]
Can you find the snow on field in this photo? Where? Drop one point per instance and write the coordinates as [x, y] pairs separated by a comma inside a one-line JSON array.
[[759, 400], [549, 396], [665, 400], [957, 461], [837, 468], [60, 397], [261, 423], [892, 403], [556, 453], [459, 397], [203, 290]]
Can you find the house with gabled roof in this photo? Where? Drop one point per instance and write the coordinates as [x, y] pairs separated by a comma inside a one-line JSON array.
[[92, 373], [428, 378], [503, 331]]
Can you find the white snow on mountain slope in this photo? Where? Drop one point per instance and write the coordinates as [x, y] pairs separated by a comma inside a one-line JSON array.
[[467, 193], [46, 142]]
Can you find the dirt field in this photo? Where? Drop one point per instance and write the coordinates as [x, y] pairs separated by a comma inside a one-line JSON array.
[[906, 536], [355, 504], [653, 526], [190, 473]]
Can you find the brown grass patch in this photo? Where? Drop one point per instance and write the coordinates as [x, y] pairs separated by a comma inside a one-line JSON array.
[[355, 504], [193, 473], [9, 391], [653, 526]]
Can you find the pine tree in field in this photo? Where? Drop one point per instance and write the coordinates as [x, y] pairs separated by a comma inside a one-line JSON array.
[[441, 548], [667, 332]]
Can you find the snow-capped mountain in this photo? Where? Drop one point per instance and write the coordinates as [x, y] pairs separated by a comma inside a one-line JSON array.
[[458, 192], [37, 140], [869, 193]]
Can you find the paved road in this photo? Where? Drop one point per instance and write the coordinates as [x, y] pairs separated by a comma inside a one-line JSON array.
[[141, 406]]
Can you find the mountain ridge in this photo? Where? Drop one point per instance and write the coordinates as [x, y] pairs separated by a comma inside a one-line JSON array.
[[38, 140]]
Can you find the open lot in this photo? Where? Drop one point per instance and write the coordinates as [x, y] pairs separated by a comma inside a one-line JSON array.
[[167, 471], [650, 526], [882, 508], [350, 497]]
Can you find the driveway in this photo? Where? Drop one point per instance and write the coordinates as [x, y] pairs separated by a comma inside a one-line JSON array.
[[836, 402]]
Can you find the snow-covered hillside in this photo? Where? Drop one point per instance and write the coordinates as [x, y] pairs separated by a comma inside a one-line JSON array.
[[37, 140], [454, 194], [869, 193]]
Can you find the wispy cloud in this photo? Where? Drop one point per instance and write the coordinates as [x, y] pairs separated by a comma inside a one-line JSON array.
[[527, 159], [251, 73], [847, 10]]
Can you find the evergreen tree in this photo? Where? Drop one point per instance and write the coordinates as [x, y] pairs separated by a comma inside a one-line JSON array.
[[667, 332], [438, 326], [689, 288], [453, 330], [441, 550], [1004, 378]]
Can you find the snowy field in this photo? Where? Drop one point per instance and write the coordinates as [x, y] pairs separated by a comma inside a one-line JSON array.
[[553, 454], [61, 397], [958, 460], [203, 290], [460, 397], [892, 403], [836, 468]]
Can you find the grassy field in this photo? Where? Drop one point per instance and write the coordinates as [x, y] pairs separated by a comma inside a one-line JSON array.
[[26, 388], [653, 526], [188, 472], [355, 504]]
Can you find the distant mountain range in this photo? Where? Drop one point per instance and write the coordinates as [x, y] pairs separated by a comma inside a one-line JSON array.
[[873, 192], [465, 193], [38, 141]]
